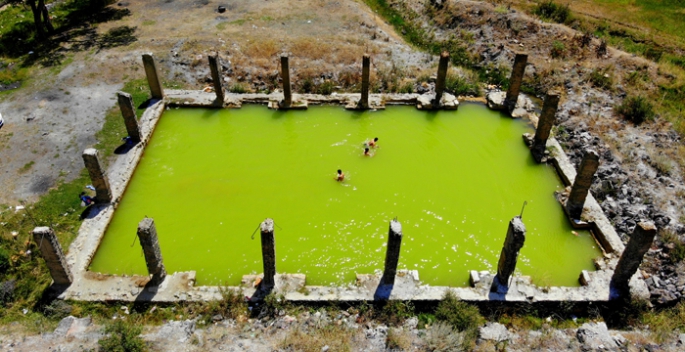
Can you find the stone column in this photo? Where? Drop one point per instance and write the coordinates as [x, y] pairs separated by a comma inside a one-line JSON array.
[[52, 254], [515, 81], [582, 183], [545, 123], [285, 74], [268, 253], [103, 194], [152, 77], [366, 73], [216, 77], [128, 111], [516, 235], [147, 234], [392, 255], [442, 74], [630, 260]]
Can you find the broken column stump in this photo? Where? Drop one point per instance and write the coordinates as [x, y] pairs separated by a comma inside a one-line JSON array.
[[392, 255], [103, 193], [582, 183], [128, 111], [516, 236], [366, 76], [152, 77], [266, 230], [638, 244], [517, 72], [285, 74], [216, 78], [147, 235], [51, 251], [545, 123], [442, 74]]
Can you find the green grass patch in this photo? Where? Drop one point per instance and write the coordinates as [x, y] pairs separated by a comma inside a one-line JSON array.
[[636, 109], [26, 167], [551, 11]]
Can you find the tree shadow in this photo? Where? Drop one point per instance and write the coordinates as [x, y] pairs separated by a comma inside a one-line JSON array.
[[75, 31]]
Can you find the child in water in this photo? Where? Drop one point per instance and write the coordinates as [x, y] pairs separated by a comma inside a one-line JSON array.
[[373, 143], [367, 152], [339, 176]]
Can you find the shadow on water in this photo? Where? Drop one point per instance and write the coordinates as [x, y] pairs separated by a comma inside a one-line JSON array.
[[278, 114], [75, 30]]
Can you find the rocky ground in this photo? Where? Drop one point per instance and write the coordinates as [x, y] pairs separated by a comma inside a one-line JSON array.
[[53, 117], [284, 334]]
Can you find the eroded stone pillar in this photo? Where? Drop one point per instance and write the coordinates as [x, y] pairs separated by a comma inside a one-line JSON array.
[[515, 81], [392, 255], [152, 77], [442, 74], [216, 77], [582, 183], [630, 260], [545, 123], [147, 235], [52, 254], [103, 193], [366, 74], [268, 253], [128, 111], [516, 236], [285, 74]]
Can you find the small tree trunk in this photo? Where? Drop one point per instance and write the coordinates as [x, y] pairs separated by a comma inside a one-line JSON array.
[[40, 32], [47, 22]]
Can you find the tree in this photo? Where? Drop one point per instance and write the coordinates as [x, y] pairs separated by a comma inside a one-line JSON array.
[[41, 16]]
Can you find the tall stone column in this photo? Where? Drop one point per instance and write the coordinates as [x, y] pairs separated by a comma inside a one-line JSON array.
[[216, 77], [128, 111], [147, 234], [515, 81], [516, 236], [582, 183], [366, 73], [392, 255], [285, 74], [103, 193], [152, 77], [268, 253], [442, 74], [545, 123], [52, 254], [630, 260]]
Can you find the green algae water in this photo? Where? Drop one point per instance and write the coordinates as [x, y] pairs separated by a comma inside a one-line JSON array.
[[453, 179]]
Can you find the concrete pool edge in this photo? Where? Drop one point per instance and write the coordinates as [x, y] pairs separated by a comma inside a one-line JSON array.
[[89, 286]]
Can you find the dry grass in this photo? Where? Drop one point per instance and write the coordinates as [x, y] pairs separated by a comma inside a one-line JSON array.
[[335, 337], [398, 339]]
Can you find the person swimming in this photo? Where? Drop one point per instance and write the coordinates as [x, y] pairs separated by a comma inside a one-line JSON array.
[[367, 152], [340, 176], [373, 143]]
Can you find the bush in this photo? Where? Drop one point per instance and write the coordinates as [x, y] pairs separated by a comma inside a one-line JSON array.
[[461, 316], [6, 291], [238, 88], [326, 88], [551, 11], [460, 85], [4, 260], [442, 338], [396, 312], [558, 49], [636, 110], [124, 337], [602, 78]]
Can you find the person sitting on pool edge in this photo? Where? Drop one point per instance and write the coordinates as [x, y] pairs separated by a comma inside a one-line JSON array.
[[340, 176], [87, 200], [373, 143]]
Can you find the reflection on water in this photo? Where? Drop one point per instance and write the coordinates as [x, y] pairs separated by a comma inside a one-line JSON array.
[[453, 179]]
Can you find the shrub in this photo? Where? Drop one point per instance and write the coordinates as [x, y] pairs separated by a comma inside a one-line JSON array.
[[7, 291], [602, 78], [326, 88], [666, 323], [676, 246], [460, 85], [551, 11], [4, 260], [461, 316], [124, 337], [397, 340], [558, 49], [395, 312], [231, 305], [238, 88], [636, 110]]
